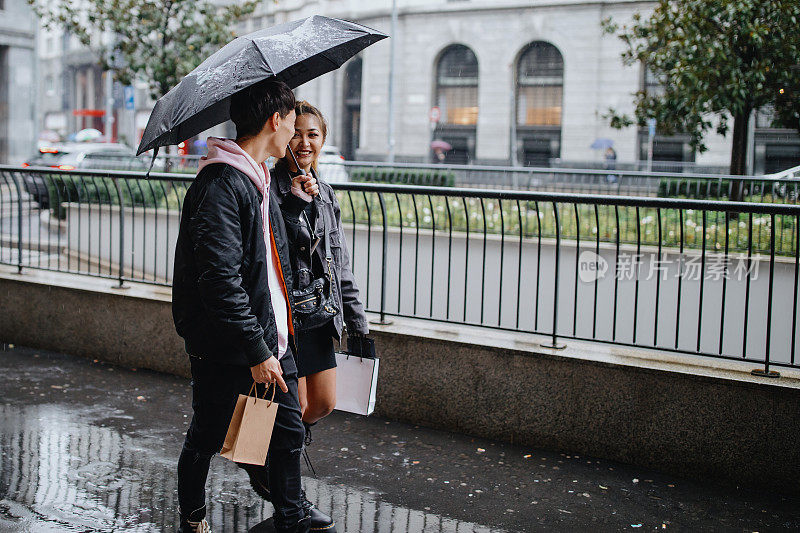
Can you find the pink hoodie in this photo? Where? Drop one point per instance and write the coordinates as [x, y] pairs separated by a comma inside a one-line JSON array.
[[228, 152]]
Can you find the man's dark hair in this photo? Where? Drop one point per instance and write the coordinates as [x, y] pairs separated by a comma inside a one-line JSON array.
[[252, 107]]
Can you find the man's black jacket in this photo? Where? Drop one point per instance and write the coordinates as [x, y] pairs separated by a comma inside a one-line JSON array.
[[220, 299]]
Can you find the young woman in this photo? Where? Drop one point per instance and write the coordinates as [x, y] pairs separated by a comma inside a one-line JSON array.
[[316, 361]]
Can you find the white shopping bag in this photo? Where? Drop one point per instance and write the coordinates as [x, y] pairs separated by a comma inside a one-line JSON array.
[[356, 383]]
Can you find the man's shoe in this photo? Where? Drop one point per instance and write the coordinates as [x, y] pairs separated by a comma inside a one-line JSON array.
[[259, 479], [195, 522], [319, 521], [303, 526]]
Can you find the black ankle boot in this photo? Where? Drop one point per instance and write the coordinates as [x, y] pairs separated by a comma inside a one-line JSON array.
[[259, 479], [319, 521], [302, 526], [307, 426], [195, 522]]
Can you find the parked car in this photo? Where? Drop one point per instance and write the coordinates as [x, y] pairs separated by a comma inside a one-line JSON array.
[[72, 156], [788, 174], [331, 165]]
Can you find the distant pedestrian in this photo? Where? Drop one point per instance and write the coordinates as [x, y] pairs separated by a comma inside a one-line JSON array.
[[610, 157]]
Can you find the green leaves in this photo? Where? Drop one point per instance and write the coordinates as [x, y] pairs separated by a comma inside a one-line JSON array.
[[716, 58], [159, 41]]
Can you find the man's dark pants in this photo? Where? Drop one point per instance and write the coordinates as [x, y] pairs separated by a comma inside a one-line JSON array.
[[215, 389]]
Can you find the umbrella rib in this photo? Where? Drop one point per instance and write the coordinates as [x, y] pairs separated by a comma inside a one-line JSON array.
[[266, 62]]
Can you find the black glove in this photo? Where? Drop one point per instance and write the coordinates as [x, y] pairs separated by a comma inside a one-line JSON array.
[[360, 346]]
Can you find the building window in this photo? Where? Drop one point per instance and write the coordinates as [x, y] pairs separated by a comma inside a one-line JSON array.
[[775, 148], [670, 153], [351, 124], [457, 86], [540, 90], [457, 99], [651, 84], [540, 86]]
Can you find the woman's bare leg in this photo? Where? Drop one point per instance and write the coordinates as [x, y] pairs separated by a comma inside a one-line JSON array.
[[320, 395]]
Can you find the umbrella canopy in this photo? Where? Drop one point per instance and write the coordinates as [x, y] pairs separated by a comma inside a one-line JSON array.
[[295, 52], [441, 145], [88, 135], [602, 144]]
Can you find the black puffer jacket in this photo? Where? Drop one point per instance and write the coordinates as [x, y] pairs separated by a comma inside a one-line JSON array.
[[220, 300]]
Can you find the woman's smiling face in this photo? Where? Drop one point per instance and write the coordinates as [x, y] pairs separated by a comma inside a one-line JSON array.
[[307, 141]]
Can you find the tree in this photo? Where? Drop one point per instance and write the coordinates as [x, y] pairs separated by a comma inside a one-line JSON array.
[[717, 60], [159, 41]]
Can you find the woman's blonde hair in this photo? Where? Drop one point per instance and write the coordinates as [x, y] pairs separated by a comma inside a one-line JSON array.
[[304, 108]]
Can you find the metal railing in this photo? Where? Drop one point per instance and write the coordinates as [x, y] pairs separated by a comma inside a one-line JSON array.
[[676, 183], [585, 181], [642, 166], [698, 277]]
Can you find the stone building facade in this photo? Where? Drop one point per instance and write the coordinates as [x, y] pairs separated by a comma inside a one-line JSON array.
[[17, 81], [515, 82], [501, 81], [74, 90]]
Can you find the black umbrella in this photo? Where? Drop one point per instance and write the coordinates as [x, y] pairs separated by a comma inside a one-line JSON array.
[[295, 52]]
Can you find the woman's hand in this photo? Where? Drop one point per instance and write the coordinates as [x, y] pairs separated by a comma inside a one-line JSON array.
[[307, 184]]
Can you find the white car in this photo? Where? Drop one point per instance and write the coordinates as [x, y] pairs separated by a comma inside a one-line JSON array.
[[789, 174], [331, 165]]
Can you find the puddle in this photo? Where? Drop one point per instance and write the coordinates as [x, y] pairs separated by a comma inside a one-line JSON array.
[[61, 473]]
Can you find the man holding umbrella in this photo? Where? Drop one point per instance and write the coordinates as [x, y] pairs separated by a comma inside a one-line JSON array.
[[231, 306], [230, 302]]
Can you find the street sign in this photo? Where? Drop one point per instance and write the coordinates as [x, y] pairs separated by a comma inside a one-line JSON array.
[[651, 127], [435, 114], [128, 93], [651, 134]]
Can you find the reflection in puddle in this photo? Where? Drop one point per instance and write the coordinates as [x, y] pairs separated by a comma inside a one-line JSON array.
[[58, 473]]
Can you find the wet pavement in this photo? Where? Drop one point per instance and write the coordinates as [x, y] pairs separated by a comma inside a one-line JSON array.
[[89, 447]]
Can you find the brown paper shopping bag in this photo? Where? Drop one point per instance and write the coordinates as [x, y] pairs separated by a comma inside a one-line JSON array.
[[250, 430]]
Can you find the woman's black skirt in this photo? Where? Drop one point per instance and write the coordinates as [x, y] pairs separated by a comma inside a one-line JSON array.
[[315, 351]]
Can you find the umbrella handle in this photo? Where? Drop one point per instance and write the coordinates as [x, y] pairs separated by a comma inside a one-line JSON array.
[[302, 172], [294, 159]]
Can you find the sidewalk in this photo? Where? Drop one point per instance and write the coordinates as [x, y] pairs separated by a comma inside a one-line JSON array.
[[92, 447]]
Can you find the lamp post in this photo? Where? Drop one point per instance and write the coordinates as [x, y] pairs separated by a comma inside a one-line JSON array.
[[109, 93], [393, 38]]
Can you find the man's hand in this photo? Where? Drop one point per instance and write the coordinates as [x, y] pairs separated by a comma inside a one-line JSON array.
[[269, 371], [306, 184]]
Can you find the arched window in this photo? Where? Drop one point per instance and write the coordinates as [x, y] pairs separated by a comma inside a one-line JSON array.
[[352, 107], [540, 82], [457, 86], [540, 90], [457, 99]]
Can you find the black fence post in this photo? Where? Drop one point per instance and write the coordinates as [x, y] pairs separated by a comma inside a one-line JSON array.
[[385, 246], [19, 222], [767, 373], [121, 276], [554, 344]]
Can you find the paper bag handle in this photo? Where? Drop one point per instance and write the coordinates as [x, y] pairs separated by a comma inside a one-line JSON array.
[[253, 387]]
